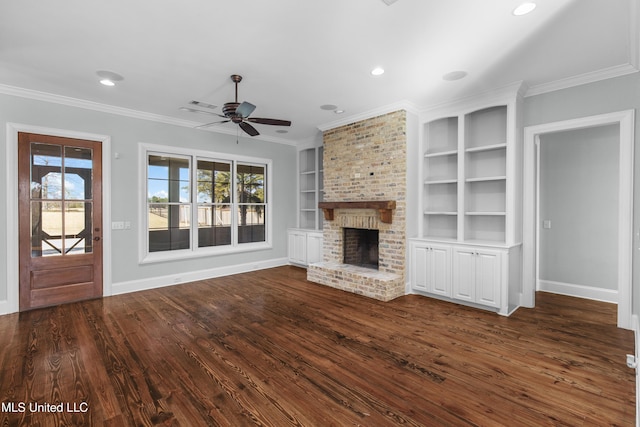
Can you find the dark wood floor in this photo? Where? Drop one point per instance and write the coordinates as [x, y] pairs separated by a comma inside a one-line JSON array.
[[269, 348]]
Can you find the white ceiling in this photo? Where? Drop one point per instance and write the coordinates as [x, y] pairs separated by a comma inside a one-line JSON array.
[[298, 55]]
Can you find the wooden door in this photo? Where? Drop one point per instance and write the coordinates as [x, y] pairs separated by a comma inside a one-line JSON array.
[[60, 220]]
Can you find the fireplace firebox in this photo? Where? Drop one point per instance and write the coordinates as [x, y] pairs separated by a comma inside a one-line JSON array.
[[361, 247]]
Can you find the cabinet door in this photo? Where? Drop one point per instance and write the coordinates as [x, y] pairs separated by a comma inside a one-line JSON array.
[[440, 270], [488, 278], [464, 276], [419, 268], [297, 247], [314, 247]]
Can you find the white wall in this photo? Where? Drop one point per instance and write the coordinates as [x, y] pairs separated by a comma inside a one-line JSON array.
[[579, 198], [126, 133]]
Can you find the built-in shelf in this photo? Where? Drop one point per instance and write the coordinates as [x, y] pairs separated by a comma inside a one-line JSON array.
[[487, 178], [440, 213], [441, 181], [486, 213], [310, 182], [442, 153], [486, 148]]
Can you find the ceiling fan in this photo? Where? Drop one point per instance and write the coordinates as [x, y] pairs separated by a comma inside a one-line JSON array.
[[239, 113]]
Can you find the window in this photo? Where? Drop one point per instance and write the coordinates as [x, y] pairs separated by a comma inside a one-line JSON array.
[[199, 203]]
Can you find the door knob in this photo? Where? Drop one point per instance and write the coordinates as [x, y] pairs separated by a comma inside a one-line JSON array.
[[97, 238]]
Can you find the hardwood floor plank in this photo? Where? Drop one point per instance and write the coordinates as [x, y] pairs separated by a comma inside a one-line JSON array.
[[269, 348]]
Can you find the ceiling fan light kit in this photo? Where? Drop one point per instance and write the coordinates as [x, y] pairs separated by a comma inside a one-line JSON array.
[[239, 112]]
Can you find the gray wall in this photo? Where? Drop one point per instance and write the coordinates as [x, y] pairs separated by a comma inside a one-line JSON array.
[[579, 196], [126, 133], [616, 94]]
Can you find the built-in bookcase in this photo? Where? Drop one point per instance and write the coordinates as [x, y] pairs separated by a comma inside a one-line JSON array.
[[310, 182], [465, 176], [441, 178], [468, 247]]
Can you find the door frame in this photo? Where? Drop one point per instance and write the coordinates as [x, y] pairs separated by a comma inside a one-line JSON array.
[[11, 164], [626, 122]]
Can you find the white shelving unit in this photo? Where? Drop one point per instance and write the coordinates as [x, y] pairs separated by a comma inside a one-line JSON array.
[[469, 203], [310, 188], [305, 241]]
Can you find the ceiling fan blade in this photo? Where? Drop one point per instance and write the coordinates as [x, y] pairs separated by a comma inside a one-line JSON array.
[[249, 129], [274, 122], [245, 109], [211, 124]]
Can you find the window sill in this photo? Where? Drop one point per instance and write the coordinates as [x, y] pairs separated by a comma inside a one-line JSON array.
[[156, 257]]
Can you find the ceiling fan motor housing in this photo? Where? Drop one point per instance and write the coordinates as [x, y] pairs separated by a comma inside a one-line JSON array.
[[229, 110]]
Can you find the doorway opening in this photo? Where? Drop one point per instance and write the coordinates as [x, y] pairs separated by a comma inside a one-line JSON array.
[[624, 121]]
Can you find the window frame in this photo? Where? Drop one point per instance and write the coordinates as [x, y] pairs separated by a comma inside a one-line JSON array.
[[194, 155]]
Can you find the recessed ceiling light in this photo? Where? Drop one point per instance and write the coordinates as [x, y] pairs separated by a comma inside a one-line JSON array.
[[339, 111], [524, 8], [282, 131], [378, 71], [109, 78], [328, 107], [454, 75]]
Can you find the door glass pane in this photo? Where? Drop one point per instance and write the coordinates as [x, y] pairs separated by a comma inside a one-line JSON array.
[[78, 229], [78, 173], [61, 208], [46, 171], [46, 228]]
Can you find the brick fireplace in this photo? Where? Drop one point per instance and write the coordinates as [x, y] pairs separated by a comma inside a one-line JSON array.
[[365, 188]]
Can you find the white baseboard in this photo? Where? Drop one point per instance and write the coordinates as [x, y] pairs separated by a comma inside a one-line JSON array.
[[5, 307], [580, 291], [192, 276]]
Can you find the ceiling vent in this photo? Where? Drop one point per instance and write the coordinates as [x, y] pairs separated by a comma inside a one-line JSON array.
[[389, 2]]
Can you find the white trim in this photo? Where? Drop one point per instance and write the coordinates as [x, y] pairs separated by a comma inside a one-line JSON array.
[[581, 291], [11, 305], [127, 112], [581, 79], [192, 276], [625, 119], [144, 257]]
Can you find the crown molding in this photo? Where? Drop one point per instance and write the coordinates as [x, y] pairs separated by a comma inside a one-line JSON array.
[[581, 79], [477, 99], [385, 109], [126, 112]]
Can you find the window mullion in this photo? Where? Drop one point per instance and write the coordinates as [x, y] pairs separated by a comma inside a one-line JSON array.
[[194, 203], [234, 204]]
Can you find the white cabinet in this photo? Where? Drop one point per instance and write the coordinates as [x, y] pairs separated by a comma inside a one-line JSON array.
[[305, 247], [432, 272], [297, 246], [477, 275]]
